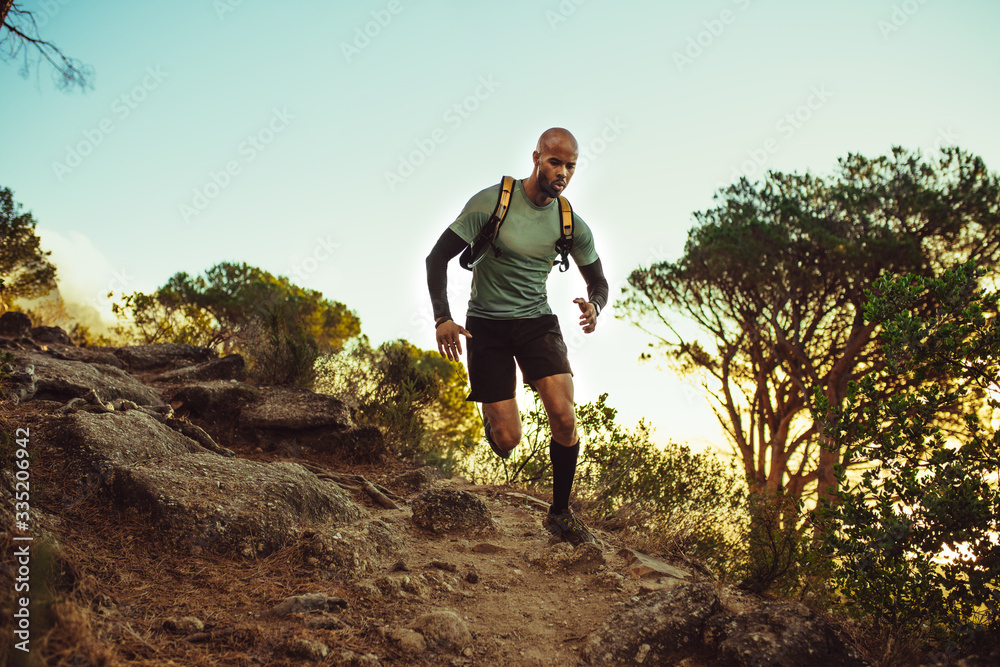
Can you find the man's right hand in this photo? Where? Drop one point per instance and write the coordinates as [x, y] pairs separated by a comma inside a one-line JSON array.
[[449, 339]]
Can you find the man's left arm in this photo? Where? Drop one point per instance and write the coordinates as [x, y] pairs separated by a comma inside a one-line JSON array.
[[597, 295]]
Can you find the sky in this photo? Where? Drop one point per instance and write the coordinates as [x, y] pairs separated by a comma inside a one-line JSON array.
[[333, 142]]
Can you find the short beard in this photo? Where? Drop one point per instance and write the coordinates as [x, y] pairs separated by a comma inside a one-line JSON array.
[[548, 189]]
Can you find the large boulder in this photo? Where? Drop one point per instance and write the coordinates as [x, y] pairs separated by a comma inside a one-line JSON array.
[[278, 418], [14, 324], [198, 499], [50, 335], [162, 356], [61, 380]]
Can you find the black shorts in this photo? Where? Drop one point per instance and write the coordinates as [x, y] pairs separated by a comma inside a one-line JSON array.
[[537, 345]]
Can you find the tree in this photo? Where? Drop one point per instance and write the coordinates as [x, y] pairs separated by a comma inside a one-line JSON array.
[[19, 37], [774, 279], [282, 328], [25, 269], [923, 490]]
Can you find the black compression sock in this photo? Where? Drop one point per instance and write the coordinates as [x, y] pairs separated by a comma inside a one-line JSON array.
[[563, 470]]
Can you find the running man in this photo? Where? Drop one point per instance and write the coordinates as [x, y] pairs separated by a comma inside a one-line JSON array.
[[509, 317]]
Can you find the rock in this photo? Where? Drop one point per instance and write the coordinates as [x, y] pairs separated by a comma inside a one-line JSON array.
[[162, 356], [354, 549], [52, 335], [782, 634], [280, 418], [486, 548], [420, 478], [298, 604], [686, 623], [217, 402], [14, 324], [669, 621], [98, 442], [585, 558], [199, 499], [187, 625], [452, 511], [642, 566], [60, 380], [303, 648], [90, 355], [443, 628], [407, 640], [443, 565], [231, 367], [294, 409]]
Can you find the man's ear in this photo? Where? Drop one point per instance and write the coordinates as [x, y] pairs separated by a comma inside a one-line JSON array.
[[535, 155]]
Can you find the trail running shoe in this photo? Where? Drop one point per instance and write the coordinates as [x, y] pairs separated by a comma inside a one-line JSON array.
[[502, 453], [566, 526]]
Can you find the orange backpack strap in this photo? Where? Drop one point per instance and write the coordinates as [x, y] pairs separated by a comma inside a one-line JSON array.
[[476, 250]]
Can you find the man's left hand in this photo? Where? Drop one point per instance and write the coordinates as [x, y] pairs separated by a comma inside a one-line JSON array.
[[588, 315]]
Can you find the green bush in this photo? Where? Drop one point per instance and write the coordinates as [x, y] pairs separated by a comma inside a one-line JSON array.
[[415, 396], [923, 489]]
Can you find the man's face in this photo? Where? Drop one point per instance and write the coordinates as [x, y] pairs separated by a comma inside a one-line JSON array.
[[555, 166]]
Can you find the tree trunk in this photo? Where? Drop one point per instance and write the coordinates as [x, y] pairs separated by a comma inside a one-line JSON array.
[[4, 8]]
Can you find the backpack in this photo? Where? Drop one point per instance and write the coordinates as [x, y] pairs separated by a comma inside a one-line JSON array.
[[476, 250]]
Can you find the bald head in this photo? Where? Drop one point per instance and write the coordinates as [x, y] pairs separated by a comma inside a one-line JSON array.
[[554, 159], [555, 138]]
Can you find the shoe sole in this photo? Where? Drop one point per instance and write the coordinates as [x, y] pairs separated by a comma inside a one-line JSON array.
[[502, 453]]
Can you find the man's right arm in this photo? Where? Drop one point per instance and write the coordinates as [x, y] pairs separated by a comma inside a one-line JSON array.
[[448, 246], [447, 332]]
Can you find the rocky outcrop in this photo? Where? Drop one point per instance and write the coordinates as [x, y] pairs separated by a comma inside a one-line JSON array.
[[161, 356], [284, 419], [690, 622], [50, 335], [62, 379], [199, 499], [230, 367]]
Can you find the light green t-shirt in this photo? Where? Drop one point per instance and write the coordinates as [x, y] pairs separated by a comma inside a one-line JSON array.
[[512, 286]]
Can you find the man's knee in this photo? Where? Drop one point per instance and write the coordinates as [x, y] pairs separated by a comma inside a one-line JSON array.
[[506, 435], [563, 425]]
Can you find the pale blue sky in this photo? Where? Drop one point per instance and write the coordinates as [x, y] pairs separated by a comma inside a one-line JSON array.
[[347, 154]]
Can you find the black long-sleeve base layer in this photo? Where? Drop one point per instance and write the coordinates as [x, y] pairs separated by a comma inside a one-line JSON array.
[[450, 245]]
